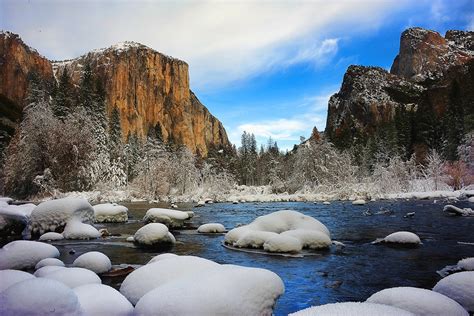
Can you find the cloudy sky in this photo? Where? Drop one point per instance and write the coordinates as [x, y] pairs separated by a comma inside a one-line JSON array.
[[267, 67]]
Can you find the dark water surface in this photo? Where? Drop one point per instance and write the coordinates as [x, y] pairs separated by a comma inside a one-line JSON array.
[[350, 274]]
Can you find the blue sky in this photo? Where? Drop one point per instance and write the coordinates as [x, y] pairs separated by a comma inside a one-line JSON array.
[[267, 67]]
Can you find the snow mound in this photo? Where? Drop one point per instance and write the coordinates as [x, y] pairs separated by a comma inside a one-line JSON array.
[[39, 296], [75, 229], [51, 236], [41, 272], [21, 210], [170, 218], [352, 309], [74, 277], [451, 209], [403, 238], [466, 264], [460, 287], [359, 202], [418, 301], [110, 213], [49, 262], [283, 243], [154, 235], [94, 261], [162, 256], [471, 199], [309, 232], [50, 215], [211, 228], [11, 277], [5, 199], [221, 290], [24, 254], [152, 275], [99, 299]]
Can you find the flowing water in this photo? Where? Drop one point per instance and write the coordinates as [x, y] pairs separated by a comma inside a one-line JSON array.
[[349, 274]]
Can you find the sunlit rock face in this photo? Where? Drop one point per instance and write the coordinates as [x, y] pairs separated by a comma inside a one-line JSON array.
[[150, 90]]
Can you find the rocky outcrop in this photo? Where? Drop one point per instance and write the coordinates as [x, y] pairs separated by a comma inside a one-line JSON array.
[[18, 64], [425, 54], [150, 90], [429, 74]]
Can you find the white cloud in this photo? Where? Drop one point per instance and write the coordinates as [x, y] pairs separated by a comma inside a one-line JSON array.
[[287, 131], [223, 42]]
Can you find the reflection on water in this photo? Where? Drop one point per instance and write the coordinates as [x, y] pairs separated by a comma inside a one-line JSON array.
[[350, 274]]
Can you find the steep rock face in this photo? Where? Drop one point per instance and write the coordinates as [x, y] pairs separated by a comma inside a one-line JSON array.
[[18, 63], [430, 74], [426, 54], [150, 90]]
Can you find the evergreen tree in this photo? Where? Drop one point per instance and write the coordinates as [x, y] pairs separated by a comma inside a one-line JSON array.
[[63, 102], [115, 134], [453, 124]]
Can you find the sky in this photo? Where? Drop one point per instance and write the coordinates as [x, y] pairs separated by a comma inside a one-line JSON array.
[[266, 67]]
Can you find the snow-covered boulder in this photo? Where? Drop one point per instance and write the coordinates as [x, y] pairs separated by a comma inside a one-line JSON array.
[[220, 290], [154, 235], [403, 238], [75, 229], [50, 215], [162, 256], [283, 243], [291, 225], [5, 199], [51, 236], [454, 210], [49, 262], [200, 204], [460, 287], [170, 218], [352, 309], [418, 301], [24, 254], [10, 277], [41, 272], [110, 213], [14, 220], [130, 239], [152, 275], [74, 277], [211, 228], [466, 264], [39, 296], [327, 203], [94, 261], [471, 199], [99, 299], [359, 202]]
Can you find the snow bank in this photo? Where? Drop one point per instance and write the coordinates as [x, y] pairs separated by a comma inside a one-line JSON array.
[[221, 290], [39, 296], [170, 218], [51, 236], [458, 211], [211, 228], [6, 200], [291, 225], [49, 262], [152, 275], [154, 235], [110, 213], [359, 202], [418, 301], [74, 277], [75, 229], [403, 238], [50, 215], [94, 261], [466, 264], [24, 254], [41, 272], [353, 309], [11, 277], [460, 287], [99, 299]]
